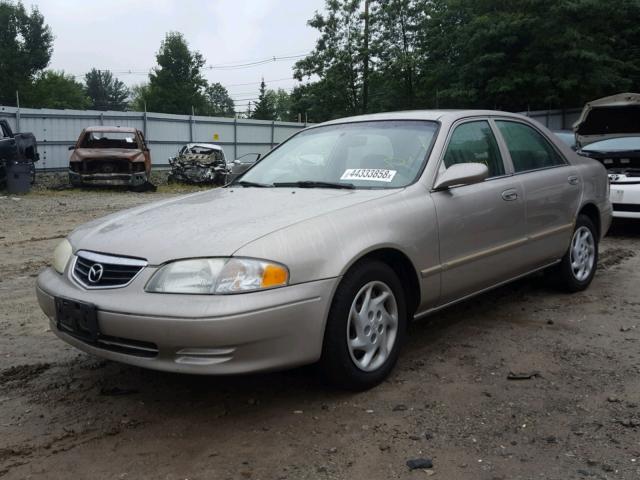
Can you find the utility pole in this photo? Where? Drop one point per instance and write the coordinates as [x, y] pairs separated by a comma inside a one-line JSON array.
[[365, 69], [18, 111]]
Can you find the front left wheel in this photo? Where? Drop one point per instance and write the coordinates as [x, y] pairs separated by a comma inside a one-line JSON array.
[[365, 328]]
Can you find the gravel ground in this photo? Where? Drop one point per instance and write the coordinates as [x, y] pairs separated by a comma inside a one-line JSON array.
[[64, 414]]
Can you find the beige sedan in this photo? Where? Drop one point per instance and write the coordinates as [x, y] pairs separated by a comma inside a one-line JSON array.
[[330, 245]]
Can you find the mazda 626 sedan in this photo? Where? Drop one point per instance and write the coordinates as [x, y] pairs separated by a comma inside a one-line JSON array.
[[330, 245]]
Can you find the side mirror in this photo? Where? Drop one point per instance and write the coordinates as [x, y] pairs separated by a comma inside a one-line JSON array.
[[72, 147], [462, 174]]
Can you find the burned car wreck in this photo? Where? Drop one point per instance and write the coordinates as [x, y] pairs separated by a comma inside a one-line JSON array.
[[199, 163], [110, 156]]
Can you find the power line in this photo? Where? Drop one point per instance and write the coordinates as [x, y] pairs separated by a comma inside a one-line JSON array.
[[222, 67], [258, 83]]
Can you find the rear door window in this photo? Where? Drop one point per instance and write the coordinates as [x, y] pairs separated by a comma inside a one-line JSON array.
[[529, 150], [474, 142]]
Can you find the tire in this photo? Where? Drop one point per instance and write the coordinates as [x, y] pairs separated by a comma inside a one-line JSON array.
[[578, 266], [358, 356]]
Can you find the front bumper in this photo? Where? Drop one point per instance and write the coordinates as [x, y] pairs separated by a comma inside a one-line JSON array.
[[126, 179], [199, 334], [625, 198]]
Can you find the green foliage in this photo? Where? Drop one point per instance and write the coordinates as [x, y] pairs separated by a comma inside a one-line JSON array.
[[219, 103], [282, 104], [53, 89], [516, 55], [339, 58], [104, 91], [176, 85], [25, 48], [139, 97]]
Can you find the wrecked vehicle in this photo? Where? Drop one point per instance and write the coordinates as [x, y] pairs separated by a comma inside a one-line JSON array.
[[609, 131], [105, 155], [16, 148], [199, 163], [328, 247]]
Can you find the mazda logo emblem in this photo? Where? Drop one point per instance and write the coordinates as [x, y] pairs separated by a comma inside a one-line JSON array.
[[95, 273]]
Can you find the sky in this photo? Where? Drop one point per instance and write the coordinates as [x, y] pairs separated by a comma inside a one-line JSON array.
[[124, 37]]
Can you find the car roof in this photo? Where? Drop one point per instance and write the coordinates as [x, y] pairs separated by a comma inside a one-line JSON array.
[[429, 115], [212, 146], [110, 128]]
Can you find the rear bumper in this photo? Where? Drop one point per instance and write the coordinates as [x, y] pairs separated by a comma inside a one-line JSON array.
[[200, 334], [626, 200], [129, 179]]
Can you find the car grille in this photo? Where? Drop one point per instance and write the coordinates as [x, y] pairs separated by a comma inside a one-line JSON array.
[[107, 165], [626, 207], [97, 270], [128, 346]]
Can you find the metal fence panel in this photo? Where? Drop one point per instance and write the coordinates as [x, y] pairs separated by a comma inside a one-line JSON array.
[[556, 119], [56, 130]]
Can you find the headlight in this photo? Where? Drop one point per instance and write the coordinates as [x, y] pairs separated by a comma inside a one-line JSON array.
[[61, 255], [218, 276]]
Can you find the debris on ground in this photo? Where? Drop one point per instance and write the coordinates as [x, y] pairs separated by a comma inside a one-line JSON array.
[[419, 463], [523, 375]]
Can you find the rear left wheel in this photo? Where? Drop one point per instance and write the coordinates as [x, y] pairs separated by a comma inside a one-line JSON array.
[[578, 267], [365, 328]]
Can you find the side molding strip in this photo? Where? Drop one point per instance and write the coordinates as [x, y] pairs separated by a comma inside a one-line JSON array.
[[494, 250]]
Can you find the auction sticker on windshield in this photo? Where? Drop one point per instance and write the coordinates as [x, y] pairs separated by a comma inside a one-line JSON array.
[[369, 174]]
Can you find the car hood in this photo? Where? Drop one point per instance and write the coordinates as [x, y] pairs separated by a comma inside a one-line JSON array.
[[95, 153], [610, 117], [213, 223]]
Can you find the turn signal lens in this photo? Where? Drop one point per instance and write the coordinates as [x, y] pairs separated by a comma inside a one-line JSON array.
[[274, 276]]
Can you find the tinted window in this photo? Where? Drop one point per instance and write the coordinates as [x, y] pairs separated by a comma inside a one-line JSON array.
[[529, 149], [473, 142]]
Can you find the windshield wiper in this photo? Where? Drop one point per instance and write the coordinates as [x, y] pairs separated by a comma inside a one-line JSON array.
[[315, 184], [243, 183]]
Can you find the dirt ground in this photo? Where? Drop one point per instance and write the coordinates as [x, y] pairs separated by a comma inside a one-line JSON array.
[[64, 414]]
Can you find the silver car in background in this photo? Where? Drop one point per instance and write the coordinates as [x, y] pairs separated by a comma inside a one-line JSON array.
[[330, 245]]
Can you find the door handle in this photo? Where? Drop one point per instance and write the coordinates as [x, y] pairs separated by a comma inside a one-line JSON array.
[[573, 180], [510, 195]]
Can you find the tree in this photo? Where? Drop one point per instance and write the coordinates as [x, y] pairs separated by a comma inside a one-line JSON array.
[[139, 97], [381, 55], [266, 107], [53, 89], [282, 105], [394, 47], [25, 48], [528, 54], [341, 56], [176, 85], [219, 103], [104, 91]]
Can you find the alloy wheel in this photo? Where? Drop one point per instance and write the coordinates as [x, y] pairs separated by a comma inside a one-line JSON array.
[[583, 253], [372, 328]]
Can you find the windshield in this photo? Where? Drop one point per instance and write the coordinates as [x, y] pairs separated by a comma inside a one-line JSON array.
[[380, 154], [109, 140], [614, 145]]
